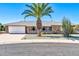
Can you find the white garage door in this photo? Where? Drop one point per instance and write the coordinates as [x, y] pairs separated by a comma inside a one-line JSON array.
[[16, 29]]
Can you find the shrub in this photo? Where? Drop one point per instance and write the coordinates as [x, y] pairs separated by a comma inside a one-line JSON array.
[[67, 27]]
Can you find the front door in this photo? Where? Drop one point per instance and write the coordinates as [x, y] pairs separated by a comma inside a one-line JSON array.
[[25, 29]]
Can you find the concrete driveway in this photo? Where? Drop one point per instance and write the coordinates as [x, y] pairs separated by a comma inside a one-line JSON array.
[[10, 38]]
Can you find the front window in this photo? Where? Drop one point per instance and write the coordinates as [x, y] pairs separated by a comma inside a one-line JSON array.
[[50, 28], [33, 28], [43, 29]]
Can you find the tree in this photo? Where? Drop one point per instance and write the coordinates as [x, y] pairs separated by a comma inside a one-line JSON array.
[[2, 28], [67, 27], [38, 10]]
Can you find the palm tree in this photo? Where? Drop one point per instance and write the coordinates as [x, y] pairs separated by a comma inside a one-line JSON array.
[[38, 10], [67, 27]]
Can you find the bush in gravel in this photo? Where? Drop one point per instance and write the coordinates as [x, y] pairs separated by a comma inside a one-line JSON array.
[[2, 28], [67, 27]]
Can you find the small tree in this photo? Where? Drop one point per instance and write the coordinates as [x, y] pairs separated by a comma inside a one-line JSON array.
[[2, 28], [67, 27]]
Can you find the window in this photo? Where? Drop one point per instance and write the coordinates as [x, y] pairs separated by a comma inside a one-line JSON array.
[[50, 28], [33, 28], [43, 29]]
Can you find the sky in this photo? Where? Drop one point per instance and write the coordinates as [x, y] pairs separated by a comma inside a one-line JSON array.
[[11, 12]]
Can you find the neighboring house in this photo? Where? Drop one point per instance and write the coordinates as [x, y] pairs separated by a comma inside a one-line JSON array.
[[30, 27], [76, 28]]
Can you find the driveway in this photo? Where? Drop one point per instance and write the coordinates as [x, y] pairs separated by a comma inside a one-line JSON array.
[[39, 49], [10, 38]]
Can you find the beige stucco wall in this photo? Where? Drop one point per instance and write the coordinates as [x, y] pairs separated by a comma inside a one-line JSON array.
[[29, 30], [56, 28]]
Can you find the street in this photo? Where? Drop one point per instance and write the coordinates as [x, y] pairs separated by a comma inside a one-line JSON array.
[[40, 49]]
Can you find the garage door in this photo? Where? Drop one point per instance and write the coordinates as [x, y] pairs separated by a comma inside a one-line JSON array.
[[16, 29]]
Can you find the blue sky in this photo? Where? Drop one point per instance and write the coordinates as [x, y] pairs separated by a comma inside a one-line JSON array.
[[11, 12]]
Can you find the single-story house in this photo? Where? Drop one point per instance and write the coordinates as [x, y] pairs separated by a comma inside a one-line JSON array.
[[30, 27]]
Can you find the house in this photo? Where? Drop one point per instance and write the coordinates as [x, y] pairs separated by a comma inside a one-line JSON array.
[[29, 27]]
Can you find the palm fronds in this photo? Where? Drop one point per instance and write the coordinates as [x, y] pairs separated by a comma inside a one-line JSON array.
[[38, 10]]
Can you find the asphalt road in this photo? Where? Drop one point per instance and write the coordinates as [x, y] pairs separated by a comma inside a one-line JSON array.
[[39, 49]]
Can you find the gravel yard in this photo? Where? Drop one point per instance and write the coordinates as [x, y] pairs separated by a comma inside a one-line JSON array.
[[30, 38]]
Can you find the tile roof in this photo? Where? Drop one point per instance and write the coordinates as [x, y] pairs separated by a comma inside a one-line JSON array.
[[33, 23]]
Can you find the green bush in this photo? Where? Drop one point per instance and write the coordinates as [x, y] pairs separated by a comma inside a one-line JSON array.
[[2, 28], [67, 27]]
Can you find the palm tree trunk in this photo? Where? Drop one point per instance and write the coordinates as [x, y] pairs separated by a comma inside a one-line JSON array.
[[39, 26]]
